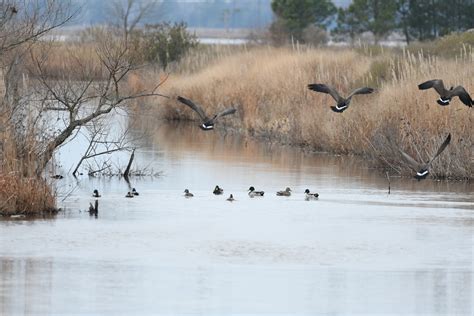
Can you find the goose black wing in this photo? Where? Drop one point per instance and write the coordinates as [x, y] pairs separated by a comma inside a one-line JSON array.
[[412, 163], [224, 113], [441, 148], [463, 95], [364, 90], [319, 87], [197, 108], [436, 84]]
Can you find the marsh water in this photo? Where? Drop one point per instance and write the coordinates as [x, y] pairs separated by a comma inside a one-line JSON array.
[[355, 250]]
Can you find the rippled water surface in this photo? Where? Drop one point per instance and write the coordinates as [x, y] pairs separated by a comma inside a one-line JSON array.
[[356, 250]]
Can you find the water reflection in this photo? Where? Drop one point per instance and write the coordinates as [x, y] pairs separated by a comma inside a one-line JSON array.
[[41, 288], [356, 250]]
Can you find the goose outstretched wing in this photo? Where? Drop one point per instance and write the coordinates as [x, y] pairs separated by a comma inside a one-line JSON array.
[[412, 163], [363, 90], [197, 108], [463, 95], [436, 84], [224, 113], [441, 148], [319, 87]]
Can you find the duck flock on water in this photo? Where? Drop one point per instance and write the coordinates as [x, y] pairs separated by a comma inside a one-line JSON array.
[[342, 104]]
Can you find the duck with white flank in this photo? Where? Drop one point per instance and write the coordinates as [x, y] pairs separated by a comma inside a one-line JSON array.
[[206, 122], [188, 194], [96, 193], [134, 192], [342, 103], [218, 190], [129, 195], [231, 198], [421, 169], [253, 193], [287, 192], [445, 95], [309, 195]]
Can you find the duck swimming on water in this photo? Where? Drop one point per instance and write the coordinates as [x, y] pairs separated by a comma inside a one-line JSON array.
[[310, 195], [287, 192], [218, 190], [253, 193]]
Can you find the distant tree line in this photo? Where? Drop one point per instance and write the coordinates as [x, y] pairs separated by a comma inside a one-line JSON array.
[[415, 19]]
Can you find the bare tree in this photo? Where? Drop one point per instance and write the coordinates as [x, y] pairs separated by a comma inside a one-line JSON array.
[[101, 144], [80, 96], [125, 15], [22, 24], [43, 110], [26, 21]]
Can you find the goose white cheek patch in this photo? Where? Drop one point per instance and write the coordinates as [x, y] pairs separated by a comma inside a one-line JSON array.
[[443, 101], [421, 174]]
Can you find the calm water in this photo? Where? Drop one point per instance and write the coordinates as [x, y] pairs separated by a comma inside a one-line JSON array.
[[356, 250]]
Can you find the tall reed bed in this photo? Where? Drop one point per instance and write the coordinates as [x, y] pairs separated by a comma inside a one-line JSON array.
[[22, 191], [268, 87]]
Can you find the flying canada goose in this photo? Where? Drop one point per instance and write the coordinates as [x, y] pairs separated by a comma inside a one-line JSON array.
[[206, 122], [421, 169], [287, 192], [342, 103], [231, 198], [96, 193], [218, 190], [445, 95], [188, 194], [129, 195], [253, 193], [310, 195], [134, 192]]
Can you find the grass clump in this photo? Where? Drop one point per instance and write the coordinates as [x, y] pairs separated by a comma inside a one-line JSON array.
[[29, 196], [22, 190]]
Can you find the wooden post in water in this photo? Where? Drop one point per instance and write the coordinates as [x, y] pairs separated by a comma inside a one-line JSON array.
[[388, 178]]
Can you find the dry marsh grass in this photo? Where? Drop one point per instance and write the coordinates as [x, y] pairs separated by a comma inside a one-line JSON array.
[[268, 87], [22, 192], [65, 61], [25, 196]]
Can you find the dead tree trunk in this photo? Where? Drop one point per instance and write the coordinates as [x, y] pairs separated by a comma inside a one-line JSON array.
[[126, 173]]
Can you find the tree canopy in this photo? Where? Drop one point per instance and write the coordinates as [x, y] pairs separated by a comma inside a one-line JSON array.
[[296, 15], [415, 19]]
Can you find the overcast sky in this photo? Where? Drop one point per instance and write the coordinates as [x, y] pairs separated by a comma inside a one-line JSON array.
[[196, 13]]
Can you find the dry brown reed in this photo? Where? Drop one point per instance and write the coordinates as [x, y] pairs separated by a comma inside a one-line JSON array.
[[66, 61], [268, 87], [22, 191]]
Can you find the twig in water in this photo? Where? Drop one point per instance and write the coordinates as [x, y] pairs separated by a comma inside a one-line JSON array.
[[388, 178], [70, 192]]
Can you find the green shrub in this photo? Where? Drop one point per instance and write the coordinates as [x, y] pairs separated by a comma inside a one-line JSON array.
[[165, 43]]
